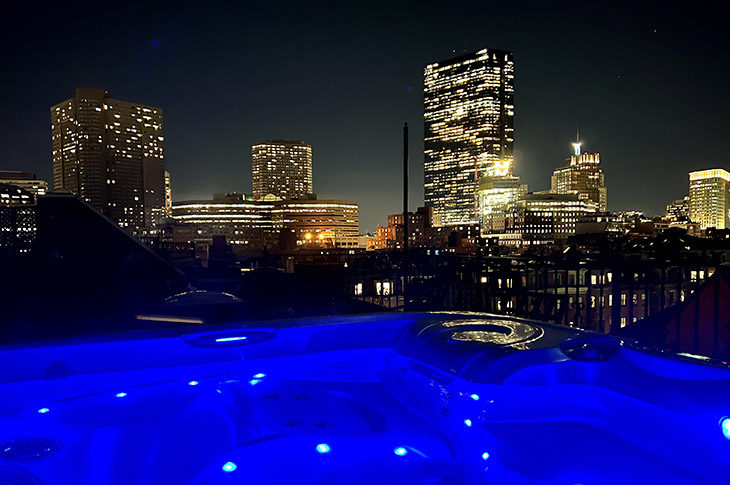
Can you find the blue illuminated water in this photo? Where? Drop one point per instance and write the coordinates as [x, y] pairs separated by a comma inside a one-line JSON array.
[[416, 399]]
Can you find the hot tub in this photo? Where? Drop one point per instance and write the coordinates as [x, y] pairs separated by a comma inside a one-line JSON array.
[[409, 399]]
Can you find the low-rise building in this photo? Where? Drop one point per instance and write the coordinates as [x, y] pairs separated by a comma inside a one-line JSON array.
[[542, 218], [25, 180]]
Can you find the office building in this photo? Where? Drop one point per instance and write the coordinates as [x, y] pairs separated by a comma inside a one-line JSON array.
[[250, 225], [25, 180], [709, 198], [469, 130], [319, 223], [498, 196], [543, 218], [581, 174], [110, 153], [246, 224], [282, 170]]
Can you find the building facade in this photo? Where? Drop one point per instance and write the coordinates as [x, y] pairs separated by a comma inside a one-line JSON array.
[[110, 153], [251, 225], [542, 218], [282, 169], [678, 211], [498, 196], [709, 198], [469, 130], [581, 174], [25, 180], [18, 225], [325, 223]]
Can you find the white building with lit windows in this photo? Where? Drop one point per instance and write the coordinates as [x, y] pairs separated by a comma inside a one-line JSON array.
[[709, 198], [249, 225], [282, 170]]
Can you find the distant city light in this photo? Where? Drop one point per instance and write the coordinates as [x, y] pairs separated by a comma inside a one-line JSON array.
[[475, 397], [260, 375], [193, 383], [43, 410], [467, 422], [400, 451], [229, 466], [323, 448], [121, 394], [253, 382]]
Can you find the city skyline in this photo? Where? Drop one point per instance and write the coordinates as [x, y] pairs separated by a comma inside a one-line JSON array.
[[573, 65]]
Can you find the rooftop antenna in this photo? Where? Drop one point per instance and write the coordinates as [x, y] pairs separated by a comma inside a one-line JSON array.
[[576, 145]]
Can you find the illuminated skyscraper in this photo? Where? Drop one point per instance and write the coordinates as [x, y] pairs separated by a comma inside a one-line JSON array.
[[110, 154], [581, 174], [469, 130], [709, 198], [282, 169]]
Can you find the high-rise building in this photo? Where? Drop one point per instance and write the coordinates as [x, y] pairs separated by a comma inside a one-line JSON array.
[[709, 198], [469, 130], [581, 174], [110, 153], [24, 180], [282, 169]]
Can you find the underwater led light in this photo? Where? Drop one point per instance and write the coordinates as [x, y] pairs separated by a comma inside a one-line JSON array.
[[400, 451], [229, 466], [260, 375], [323, 448], [253, 382], [467, 422], [193, 383], [231, 339], [120, 394], [43, 410], [725, 427], [485, 455], [475, 397]]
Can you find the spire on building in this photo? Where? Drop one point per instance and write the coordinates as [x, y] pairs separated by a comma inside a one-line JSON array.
[[576, 145]]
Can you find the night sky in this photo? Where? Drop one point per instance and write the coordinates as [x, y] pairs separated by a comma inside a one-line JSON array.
[[647, 83]]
